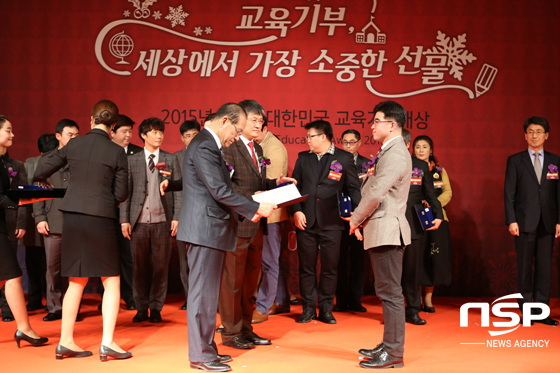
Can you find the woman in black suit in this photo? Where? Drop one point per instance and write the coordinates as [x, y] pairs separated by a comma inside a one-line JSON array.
[[99, 172], [10, 273]]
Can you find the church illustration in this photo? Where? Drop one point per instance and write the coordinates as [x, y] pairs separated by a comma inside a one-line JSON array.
[[371, 34]]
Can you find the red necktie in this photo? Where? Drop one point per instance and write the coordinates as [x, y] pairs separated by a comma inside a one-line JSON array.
[[253, 154]]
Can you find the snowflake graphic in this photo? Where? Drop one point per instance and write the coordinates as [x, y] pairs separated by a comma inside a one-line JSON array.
[[157, 14], [126, 13], [208, 30], [197, 31], [177, 16], [457, 55]]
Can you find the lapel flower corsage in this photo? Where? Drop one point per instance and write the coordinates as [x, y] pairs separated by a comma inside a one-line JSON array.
[[417, 173], [552, 167], [264, 161], [335, 166], [553, 172], [367, 165], [12, 172], [229, 168]]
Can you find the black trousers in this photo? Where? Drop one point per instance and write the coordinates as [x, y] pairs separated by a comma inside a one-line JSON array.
[[350, 281], [412, 265]]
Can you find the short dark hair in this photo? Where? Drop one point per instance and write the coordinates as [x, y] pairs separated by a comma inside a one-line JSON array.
[[407, 136], [352, 132], [47, 142], [63, 123], [536, 120], [252, 106], [265, 123], [230, 110], [123, 121], [105, 112], [209, 118], [322, 126], [149, 124], [430, 142], [393, 110], [3, 120], [189, 125]]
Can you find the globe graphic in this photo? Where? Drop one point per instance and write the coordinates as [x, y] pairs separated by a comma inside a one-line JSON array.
[[121, 46]]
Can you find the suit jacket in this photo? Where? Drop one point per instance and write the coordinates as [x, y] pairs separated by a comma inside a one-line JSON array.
[[527, 200], [384, 195], [417, 193], [247, 180], [137, 186], [32, 237], [49, 210], [133, 149], [321, 205], [15, 218], [274, 150], [210, 205], [180, 154], [359, 163], [5, 202], [99, 173]]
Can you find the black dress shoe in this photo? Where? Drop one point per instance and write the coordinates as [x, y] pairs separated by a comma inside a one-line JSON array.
[[428, 309], [106, 352], [19, 336], [306, 317], [327, 318], [52, 317], [224, 358], [219, 329], [184, 306], [339, 308], [415, 319], [155, 316], [239, 342], [295, 301], [211, 366], [371, 353], [253, 337], [130, 306], [79, 317], [382, 360], [62, 352], [358, 308], [140, 316], [548, 321]]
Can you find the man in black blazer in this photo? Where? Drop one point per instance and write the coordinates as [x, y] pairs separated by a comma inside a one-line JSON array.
[[121, 134], [532, 204], [350, 282], [323, 173], [421, 189], [208, 225]]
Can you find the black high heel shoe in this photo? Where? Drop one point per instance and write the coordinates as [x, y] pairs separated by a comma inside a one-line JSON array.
[[105, 352], [62, 352], [32, 341]]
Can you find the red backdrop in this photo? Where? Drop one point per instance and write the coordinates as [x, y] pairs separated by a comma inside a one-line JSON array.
[[468, 71]]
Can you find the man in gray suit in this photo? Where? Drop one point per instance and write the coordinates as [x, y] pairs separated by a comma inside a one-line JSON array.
[[386, 231], [208, 224], [150, 220]]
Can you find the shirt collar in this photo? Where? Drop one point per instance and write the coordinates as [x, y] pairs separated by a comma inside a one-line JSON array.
[[388, 142], [330, 150], [147, 155]]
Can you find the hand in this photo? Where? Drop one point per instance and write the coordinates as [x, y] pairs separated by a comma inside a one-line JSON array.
[[437, 223], [284, 179], [425, 203], [557, 231], [256, 218], [126, 230], [514, 229], [300, 220], [174, 226], [20, 233], [356, 230], [45, 184], [347, 218], [266, 209], [43, 228], [164, 184]]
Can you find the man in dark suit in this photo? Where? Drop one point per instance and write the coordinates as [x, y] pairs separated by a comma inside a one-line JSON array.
[[121, 134], [386, 231], [532, 204], [208, 224], [48, 219], [188, 129], [323, 173], [421, 189], [350, 282], [150, 220], [242, 266]]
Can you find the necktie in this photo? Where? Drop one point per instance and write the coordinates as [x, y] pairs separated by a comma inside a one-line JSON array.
[[151, 164], [538, 168], [253, 154]]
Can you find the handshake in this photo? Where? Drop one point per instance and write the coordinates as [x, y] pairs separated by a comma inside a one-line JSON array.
[[265, 210]]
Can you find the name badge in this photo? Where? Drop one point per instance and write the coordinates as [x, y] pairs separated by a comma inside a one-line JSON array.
[[438, 184], [335, 175], [552, 176], [371, 171], [416, 181]]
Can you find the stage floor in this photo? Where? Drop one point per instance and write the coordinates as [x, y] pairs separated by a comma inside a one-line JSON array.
[[439, 346]]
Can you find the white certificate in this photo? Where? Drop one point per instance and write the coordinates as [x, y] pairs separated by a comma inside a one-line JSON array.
[[281, 196]]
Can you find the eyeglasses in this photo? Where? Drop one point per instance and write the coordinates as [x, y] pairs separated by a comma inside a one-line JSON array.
[[189, 135], [352, 143], [377, 121], [309, 137], [255, 121], [237, 129], [538, 133]]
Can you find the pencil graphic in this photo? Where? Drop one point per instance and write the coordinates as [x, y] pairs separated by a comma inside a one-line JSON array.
[[485, 79]]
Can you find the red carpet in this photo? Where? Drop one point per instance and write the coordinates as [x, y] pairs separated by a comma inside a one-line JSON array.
[[314, 347]]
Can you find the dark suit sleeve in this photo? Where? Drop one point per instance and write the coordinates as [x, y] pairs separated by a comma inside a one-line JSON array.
[[352, 182], [177, 177], [124, 209], [49, 163], [207, 164], [429, 192], [120, 185], [175, 185], [509, 190], [298, 175], [20, 179]]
